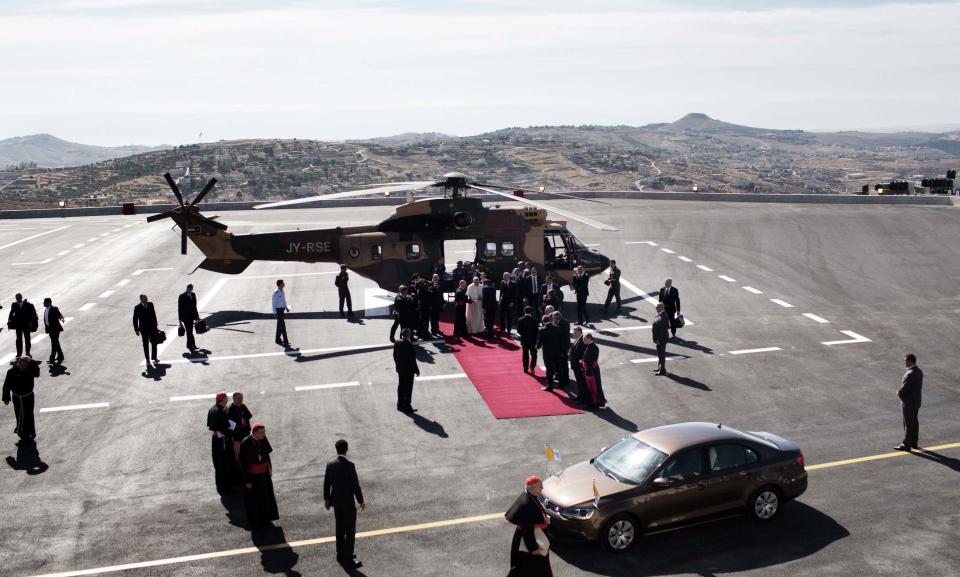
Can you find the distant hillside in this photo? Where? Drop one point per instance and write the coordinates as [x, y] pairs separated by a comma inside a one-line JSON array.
[[48, 151]]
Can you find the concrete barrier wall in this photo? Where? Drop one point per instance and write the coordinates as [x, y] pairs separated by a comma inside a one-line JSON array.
[[395, 200]]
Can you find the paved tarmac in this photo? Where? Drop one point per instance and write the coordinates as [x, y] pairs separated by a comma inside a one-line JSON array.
[[128, 480]]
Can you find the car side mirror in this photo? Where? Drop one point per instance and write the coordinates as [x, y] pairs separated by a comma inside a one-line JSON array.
[[661, 482]]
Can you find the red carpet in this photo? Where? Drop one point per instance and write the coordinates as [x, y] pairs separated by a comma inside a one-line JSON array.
[[495, 366]]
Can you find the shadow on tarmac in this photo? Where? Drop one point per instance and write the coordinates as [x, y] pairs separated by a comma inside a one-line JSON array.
[[432, 427], [276, 555], [611, 416], [156, 372], [27, 459], [624, 346], [233, 507], [227, 318], [57, 370], [692, 345], [300, 358], [944, 460], [687, 381], [727, 546]]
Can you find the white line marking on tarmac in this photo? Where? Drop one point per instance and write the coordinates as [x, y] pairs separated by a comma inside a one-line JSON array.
[[276, 276], [814, 317], [105, 294], [751, 351], [79, 245], [75, 407], [105, 234], [123, 282], [616, 330], [63, 252], [330, 386], [442, 377], [92, 239], [211, 293], [685, 259], [638, 292], [140, 271], [6, 359], [45, 261], [650, 242], [193, 397], [115, 230], [16, 242], [704, 268], [855, 339], [654, 359], [750, 289], [726, 278], [87, 306], [784, 304], [289, 353], [667, 250]]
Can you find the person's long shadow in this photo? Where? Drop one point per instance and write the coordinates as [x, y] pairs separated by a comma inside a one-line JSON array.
[[432, 427], [937, 458], [688, 382], [57, 370], [222, 318], [201, 357], [233, 506], [715, 548], [625, 346], [301, 358], [276, 555], [27, 459], [611, 416], [155, 373], [692, 345], [424, 356]]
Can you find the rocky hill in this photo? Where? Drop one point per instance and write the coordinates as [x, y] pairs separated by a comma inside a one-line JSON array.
[[48, 151], [694, 150]]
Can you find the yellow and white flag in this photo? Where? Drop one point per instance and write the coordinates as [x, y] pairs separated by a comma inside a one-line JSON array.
[[552, 454], [596, 495]]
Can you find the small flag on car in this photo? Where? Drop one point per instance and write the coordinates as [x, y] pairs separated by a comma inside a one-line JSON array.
[[552, 454]]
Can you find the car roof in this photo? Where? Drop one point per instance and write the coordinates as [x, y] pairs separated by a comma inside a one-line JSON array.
[[672, 438]]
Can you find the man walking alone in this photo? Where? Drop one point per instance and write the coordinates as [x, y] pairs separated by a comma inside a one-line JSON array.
[[280, 308], [340, 487]]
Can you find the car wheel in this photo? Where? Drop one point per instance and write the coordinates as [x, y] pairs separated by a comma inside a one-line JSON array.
[[620, 533], [764, 504]]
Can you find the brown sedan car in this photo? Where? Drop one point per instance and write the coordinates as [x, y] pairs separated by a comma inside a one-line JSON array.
[[671, 476]]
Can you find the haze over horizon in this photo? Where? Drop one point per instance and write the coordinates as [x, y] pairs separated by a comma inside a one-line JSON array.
[[113, 72]]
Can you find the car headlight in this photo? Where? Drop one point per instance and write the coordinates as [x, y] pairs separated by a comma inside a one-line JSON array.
[[577, 512]]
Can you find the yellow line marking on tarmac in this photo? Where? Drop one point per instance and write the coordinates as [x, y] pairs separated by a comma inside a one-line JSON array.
[[396, 530]]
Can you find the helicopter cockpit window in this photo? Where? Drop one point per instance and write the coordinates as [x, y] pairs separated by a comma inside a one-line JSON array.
[[413, 251], [555, 252], [376, 252], [506, 249], [490, 249]]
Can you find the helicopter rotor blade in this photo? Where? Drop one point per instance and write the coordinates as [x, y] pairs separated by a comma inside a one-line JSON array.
[[162, 215], [174, 187], [540, 191], [570, 215], [573, 197], [382, 189], [204, 192]]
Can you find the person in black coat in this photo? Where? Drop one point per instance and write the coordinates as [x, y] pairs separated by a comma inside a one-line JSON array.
[[581, 286], [424, 309], [660, 337], [53, 326], [576, 355], [340, 487], [405, 361], [23, 320], [343, 290], [436, 304], [145, 325], [18, 387], [670, 297], [240, 417], [258, 497], [407, 312], [531, 289], [909, 393], [507, 300], [221, 446], [529, 549], [529, 329], [187, 313], [613, 282], [489, 301], [563, 330], [545, 290], [460, 302], [550, 341]]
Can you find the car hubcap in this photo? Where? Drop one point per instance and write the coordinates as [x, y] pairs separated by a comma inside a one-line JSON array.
[[621, 534], [765, 505]]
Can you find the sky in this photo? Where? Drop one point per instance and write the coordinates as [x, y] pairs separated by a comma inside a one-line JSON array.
[[113, 72]]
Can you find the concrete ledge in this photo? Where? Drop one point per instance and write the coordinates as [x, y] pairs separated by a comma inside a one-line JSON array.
[[396, 200]]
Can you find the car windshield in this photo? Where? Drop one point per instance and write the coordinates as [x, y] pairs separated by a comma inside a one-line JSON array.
[[629, 461]]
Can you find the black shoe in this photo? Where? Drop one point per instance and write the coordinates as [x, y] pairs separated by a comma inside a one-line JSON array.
[[156, 360], [661, 373], [901, 447], [352, 564]]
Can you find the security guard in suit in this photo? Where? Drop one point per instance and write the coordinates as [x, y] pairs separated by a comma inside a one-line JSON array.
[[909, 392], [187, 313], [340, 487], [53, 326], [23, 320], [145, 325]]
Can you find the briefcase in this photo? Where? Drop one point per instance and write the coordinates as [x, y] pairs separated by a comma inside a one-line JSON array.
[[158, 337], [680, 321], [201, 327], [181, 330]]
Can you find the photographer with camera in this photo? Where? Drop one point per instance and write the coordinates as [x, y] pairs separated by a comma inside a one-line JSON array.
[[613, 281]]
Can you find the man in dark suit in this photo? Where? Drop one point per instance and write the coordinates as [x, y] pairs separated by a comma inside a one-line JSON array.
[[53, 326], [343, 290], [405, 361], [508, 299], [489, 302], [550, 285], [581, 286], [531, 289], [340, 488], [424, 308], [23, 320], [670, 297], [613, 282], [551, 342], [563, 371], [436, 304], [576, 355], [460, 302], [660, 336], [187, 313], [145, 325], [528, 328], [909, 393]]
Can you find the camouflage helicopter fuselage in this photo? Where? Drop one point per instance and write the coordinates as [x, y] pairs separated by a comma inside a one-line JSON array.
[[409, 241]]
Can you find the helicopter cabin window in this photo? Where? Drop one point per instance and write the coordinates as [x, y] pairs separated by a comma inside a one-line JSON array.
[[376, 252], [413, 251], [489, 249], [506, 249], [555, 252]]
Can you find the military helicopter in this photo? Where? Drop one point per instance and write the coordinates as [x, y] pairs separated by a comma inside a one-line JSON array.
[[409, 241]]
